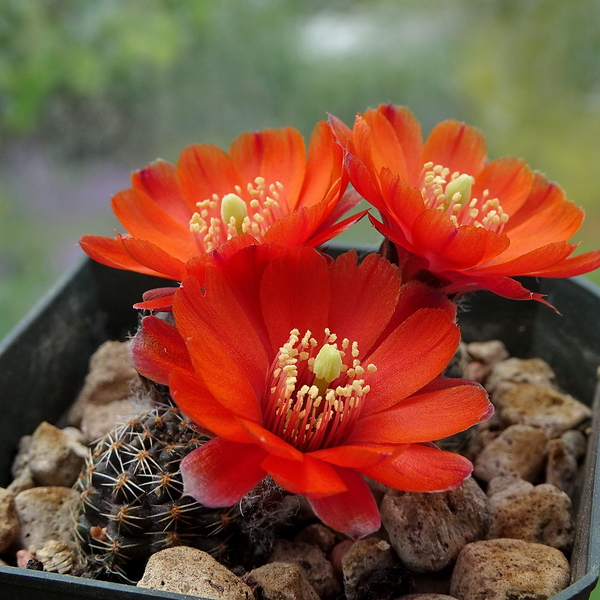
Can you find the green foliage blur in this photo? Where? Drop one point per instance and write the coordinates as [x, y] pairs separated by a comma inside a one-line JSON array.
[[93, 89]]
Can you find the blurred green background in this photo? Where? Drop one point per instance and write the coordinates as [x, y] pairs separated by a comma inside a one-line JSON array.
[[93, 89]]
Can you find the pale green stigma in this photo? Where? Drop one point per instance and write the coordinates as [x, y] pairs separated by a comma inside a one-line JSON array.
[[460, 185], [327, 366], [233, 207]]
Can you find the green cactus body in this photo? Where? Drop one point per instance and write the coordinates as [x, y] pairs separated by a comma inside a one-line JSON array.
[[132, 502]]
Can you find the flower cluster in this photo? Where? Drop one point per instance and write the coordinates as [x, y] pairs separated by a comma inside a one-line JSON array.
[[321, 373]]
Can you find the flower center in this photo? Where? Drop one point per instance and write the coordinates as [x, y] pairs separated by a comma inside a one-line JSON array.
[[452, 195], [252, 210], [315, 394]]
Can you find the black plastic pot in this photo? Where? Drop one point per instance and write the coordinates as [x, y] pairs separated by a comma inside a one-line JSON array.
[[44, 360]]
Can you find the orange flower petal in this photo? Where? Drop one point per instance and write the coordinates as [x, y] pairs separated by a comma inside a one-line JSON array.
[[295, 294], [221, 473], [111, 253], [354, 512], [422, 468], [270, 442], [408, 132], [508, 179], [204, 170], [382, 141], [456, 146], [356, 457], [543, 194], [145, 220], [418, 350], [554, 224], [341, 131], [153, 257], [311, 477], [159, 181], [276, 155], [573, 266], [363, 298], [403, 203], [323, 167], [298, 227], [537, 260], [417, 418], [507, 287], [157, 349], [198, 403], [219, 335], [454, 247], [364, 181]]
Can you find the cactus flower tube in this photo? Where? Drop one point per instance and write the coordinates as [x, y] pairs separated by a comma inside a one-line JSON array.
[[315, 373]]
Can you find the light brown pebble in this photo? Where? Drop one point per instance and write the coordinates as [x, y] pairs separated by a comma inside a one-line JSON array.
[[45, 514], [540, 514], [541, 406], [111, 377], [54, 457], [518, 450], [312, 559], [186, 570], [501, 482], [362, 557], [516, 370], [428, 530], [99, 419], [283, 581], [9, 520], [561, 465], [505, 569]]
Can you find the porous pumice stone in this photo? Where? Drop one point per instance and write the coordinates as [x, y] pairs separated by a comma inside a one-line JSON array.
[[519, 450], [45, 514], [562, 460], [540, 406], [541, 514], [312, 559], [428, 530], [111, 377], [55, 458], [517, 370], [9, 521], [282, 581], [363, 557], [186, 570], [505, 569]]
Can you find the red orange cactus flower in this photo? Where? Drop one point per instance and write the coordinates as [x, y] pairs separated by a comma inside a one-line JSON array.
[[265, 187], [471, 223], [315, 373]]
